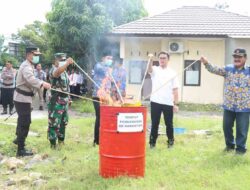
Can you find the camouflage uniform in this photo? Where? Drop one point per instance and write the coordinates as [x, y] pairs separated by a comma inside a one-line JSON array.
[[58, 107]]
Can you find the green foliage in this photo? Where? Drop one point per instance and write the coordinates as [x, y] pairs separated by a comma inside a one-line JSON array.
[[200, 107], [83, 106], [124, 11], [74, 24], [78, 27], [34, 35], [7, 57], [196, 161], [1, 42]]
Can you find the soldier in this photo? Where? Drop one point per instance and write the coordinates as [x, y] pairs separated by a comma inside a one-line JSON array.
[[26, 83], [8, 85], [58, 104]]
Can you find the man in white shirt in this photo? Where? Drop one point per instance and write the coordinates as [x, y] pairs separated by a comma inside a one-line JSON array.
[[164, 97]]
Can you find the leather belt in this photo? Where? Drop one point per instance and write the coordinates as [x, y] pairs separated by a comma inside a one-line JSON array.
[[24, 92]]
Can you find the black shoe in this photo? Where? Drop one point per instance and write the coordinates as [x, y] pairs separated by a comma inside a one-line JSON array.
[[41, 108], [228, 149], [53, 144], [24, 152], [95, 143], [4, 112], [237, 152], [15, 141], [152, 146], [11, 111], [170, 143]]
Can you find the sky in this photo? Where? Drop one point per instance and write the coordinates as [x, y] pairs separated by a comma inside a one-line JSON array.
[[15, 14]]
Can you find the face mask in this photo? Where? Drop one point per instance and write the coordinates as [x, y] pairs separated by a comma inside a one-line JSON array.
[[62, 63], [108, 62], [35, 59]]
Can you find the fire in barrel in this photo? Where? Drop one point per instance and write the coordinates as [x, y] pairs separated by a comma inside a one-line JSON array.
[[122, 141]]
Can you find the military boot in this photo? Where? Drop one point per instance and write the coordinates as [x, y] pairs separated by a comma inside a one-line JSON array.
[[23, 152], [53, 144]]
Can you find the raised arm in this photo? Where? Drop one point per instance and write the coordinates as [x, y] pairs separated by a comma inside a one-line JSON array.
[[212, 68], [61, 69]]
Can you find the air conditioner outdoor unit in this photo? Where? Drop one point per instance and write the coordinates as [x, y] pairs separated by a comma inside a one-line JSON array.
[[176, 47]]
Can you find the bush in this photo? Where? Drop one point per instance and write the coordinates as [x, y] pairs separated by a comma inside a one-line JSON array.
[[200, 107], [83, 106]]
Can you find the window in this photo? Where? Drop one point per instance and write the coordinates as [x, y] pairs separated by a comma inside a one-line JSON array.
[[136, 71], [192, 74]]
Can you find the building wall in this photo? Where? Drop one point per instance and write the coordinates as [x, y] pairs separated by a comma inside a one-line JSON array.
[[211, 88], [233, 43], [137, 49]]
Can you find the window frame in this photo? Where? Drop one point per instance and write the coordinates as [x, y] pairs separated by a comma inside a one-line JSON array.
[[185, 74], [142, 67]]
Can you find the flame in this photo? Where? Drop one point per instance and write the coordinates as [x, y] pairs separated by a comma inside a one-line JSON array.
[[112, 98], [104, 92]]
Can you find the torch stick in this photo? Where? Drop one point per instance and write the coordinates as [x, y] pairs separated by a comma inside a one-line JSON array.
[[88, 77], [144, 98], [118, 90], [86, 74], [9, 116], [82, 97], [149, 59]]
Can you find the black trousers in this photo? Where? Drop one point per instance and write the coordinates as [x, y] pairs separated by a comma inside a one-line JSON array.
[[7, 97], [44, 94], [97, 120], [78, 89], [23, 122], [156, 111]]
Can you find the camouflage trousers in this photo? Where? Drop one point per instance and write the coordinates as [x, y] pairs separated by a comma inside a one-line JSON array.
[[58, 119]]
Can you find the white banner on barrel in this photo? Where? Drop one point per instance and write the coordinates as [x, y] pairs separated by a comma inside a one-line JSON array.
[[130, 122]]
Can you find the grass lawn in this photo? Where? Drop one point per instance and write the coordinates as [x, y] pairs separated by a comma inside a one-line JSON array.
[[195, 162]]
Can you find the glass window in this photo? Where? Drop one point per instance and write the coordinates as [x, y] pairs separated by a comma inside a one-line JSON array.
[[192, 74], [136, 71]]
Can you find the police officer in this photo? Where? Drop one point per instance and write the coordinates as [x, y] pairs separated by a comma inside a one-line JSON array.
[[8, 85], [26, 84], [58, 104]]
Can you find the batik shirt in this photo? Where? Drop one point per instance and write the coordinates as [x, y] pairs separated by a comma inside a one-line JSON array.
[[236, 87], [101, 78], [119, 75]]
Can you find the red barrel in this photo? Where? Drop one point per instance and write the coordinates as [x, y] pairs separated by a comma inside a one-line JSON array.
[[122, 141]]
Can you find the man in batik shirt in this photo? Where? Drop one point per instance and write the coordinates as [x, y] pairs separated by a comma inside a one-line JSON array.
[[236, 99]]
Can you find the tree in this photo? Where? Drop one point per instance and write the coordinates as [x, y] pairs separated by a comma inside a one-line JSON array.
[[1, 43], [74, 25], [78, 26], [124, 11], [5, 56], [34, 35], [221, 6]]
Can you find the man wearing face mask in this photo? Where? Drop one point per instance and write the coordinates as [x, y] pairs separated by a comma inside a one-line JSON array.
[[236, 99], [26, 84], [58, 104], [102, 79]]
